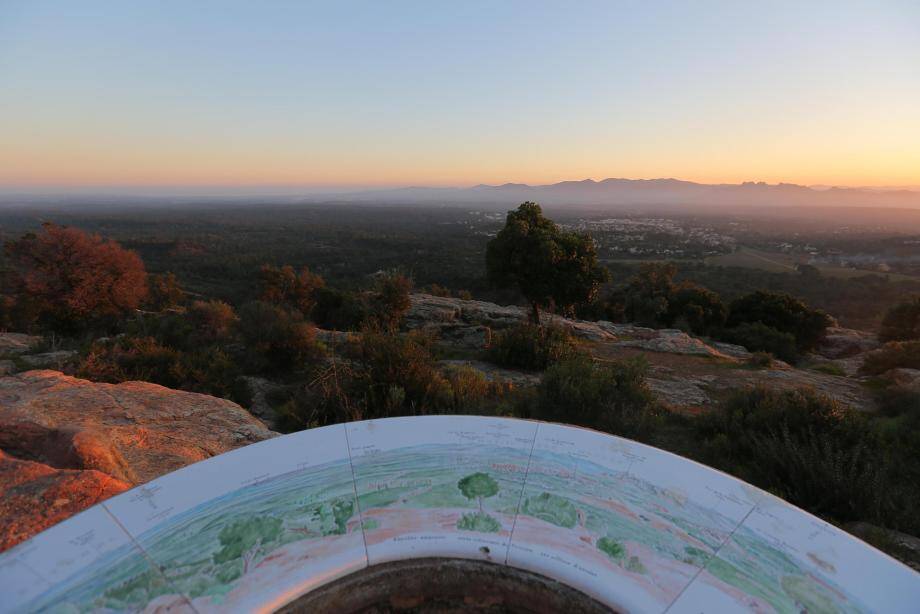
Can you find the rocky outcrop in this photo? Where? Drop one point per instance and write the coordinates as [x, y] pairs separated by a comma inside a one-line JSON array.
[[494, 374], [34, 496], [69, 443], [132, 431], [17, 343], [846, 343], [469, 324]]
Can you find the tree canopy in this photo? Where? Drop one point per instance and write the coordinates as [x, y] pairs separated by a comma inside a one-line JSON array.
[[70, 277], [551, 267], [902, 322], [245, 539], [478, 486], [781, 312]]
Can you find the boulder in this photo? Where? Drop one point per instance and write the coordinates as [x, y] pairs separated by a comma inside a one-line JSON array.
[[134, 431], [846, 342], [429, 310], [34, 496]]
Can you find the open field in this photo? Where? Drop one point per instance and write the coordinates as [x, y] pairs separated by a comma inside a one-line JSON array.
[[776, 262]]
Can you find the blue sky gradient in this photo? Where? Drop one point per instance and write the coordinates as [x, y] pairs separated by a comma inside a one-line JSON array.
[[395, 93]]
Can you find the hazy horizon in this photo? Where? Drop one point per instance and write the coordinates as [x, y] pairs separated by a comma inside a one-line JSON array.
[[114, 96]]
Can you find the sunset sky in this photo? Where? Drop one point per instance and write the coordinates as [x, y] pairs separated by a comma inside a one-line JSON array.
[[457, 93]]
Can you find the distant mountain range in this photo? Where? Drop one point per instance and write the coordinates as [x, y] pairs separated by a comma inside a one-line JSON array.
[[660, 192]]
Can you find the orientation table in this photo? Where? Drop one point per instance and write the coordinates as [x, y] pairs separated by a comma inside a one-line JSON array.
[[634, 527]]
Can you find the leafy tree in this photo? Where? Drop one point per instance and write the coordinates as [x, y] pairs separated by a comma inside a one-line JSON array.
[[701, 309], [286, 287], [247, 539], [334, 515], [478, 486], [784, 313], [902, 322], [73, 277], [647, 295], [548, 265]]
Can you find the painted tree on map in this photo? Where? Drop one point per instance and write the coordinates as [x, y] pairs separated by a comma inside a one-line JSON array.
[[247, 539], [478, 486]]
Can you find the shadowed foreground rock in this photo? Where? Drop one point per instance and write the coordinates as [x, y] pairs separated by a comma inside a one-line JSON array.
[[111, 437]]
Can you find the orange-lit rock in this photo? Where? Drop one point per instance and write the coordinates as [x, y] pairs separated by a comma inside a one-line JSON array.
[[34, 496], [66, 434]]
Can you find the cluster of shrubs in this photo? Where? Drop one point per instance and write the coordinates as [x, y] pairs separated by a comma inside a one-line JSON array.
[[530, 346], [778, 324], [811, 451], [381, 374]]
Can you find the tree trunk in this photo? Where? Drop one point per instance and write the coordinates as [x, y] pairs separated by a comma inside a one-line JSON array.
[[248, 557], [480, 505], [535, 313]]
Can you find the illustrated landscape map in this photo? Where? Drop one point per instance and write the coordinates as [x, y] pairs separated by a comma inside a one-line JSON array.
[[636, 528]]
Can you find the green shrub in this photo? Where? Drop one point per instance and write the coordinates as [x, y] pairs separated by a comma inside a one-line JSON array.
[[805, 448], [893, 355], [390, 300], [527, 346], [552, 508], [830, 369], [696, 309], [208, 370], [758, 337], [339, 310], [612, 397], [277, 340], [396, 375], [761, 360], [470, 391], [479, 522], [611, 548], [902, 322], [782, 313], [131, 358]]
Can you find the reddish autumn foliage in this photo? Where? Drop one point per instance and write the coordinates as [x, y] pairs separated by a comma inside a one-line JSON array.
[[286, 287], [71, 276]]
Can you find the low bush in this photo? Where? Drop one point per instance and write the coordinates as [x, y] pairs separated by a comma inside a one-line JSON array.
[[611, 397], [758, 337], [902, 322], [277, 340], [531, 347], [208, 370], [479, 522], [339, 310], [807, 449], [893, 355], [396, 375]]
